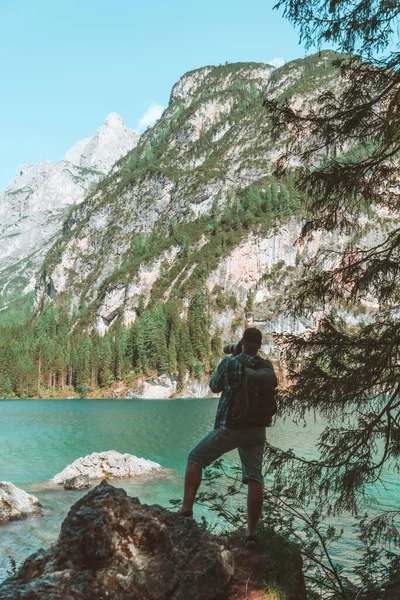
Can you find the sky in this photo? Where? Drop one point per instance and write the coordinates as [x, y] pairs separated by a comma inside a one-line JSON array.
[[66, 64]]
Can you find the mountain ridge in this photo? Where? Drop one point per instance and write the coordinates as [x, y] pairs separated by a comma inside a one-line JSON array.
[[185, 242], [211, 141], [33, 204]]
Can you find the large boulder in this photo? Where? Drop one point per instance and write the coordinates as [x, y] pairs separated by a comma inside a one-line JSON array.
[[111, 546], [109, 465], [16, 503]]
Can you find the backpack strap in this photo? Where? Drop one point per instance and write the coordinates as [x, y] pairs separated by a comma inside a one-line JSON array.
[[242, 360], [246, 363]]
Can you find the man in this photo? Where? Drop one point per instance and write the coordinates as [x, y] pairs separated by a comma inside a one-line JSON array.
[[249, 441]]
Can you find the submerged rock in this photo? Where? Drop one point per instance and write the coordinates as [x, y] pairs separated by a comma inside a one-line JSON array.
[[77, 483], [111, 546], [109, 465], [16, 503]]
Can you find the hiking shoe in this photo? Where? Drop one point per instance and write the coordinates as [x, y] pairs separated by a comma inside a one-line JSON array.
[[185, 513], [251, 542]]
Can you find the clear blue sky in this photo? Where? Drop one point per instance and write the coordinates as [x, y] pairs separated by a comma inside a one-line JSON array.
[[65, 64]]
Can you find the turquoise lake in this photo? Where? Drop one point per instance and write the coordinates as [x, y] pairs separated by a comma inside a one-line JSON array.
[[38, 438]]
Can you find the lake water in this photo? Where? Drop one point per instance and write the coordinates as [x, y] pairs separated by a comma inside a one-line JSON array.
[[38, 438]]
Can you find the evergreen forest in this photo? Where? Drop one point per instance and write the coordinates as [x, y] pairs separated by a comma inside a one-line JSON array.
[[58, 348]]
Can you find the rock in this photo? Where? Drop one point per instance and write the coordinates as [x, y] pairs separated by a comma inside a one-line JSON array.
[[16, 503], [109, 464], [195, 388], [111, 141], [77, 483], [388, 591], [161, 388], [111, 546], [274, 569]]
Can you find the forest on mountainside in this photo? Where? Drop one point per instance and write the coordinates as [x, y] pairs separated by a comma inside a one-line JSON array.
[[58, 349]]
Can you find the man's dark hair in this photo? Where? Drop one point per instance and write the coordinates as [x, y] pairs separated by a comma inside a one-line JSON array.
[[252, 339]]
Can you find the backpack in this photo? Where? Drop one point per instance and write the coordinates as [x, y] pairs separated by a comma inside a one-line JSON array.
[[255, 402]]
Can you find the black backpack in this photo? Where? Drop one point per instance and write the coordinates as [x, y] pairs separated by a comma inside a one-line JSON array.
[[255, 402]]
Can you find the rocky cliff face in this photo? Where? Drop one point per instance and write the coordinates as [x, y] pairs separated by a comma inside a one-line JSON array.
[[212, 140], [110, 142], [35, 204]]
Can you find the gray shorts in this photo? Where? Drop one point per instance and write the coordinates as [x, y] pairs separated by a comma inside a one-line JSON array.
[[249, 442]]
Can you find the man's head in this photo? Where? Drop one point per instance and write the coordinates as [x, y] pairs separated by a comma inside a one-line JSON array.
[[251, 340]]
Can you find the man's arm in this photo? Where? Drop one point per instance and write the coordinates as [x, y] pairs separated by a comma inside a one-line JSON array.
[[234, 375], [217, 381]]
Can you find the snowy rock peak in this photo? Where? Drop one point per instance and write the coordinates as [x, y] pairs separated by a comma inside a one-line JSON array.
[[33, 205], [114, 120], [110, 142]]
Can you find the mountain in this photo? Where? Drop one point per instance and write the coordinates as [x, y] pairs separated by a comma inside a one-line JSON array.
[[212, 143], [187, 240], [35, 204]]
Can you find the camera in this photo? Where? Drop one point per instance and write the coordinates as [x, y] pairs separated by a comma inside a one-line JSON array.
[[233, 349]]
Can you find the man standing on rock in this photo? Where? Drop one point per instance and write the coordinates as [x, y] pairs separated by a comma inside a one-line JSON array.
[[230, 432]]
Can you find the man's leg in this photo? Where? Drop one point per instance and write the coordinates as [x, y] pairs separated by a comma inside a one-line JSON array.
[[192, 484], [211, 447], [251, 453], [254, 505]]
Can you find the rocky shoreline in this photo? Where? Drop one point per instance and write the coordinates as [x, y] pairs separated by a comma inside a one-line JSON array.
[[112, 546], [17, 504], [158, 387]]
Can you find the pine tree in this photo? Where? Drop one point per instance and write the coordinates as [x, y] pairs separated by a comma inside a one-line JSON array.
[[274, 190], [8, 392], [83, 367], [251, 200], [184, 350], [198, 326], [295, 200], [96, 359], [146, 341], [267, 206], [339, 364], [39, 341], [285, 200], [120, 343], [49, 354], [63, 348], [254, 96], [348, 145], [105, 370], [216, 349], [172, 316], [160, 338], [140, 306], [132, 353], [172, 352], [138, 246]]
